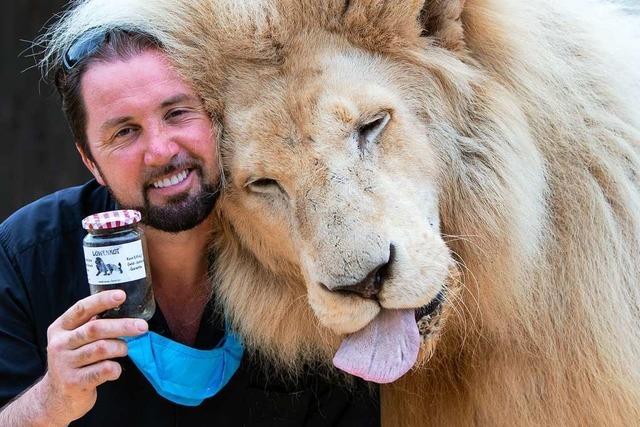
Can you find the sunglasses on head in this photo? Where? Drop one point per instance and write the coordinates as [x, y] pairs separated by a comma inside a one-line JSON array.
[[84, 46]]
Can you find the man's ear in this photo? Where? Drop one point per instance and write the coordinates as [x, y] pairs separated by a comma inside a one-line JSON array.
[[90, 164], [441, 19]]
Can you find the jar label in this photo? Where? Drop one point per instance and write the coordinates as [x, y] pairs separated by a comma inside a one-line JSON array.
[[107, 265]]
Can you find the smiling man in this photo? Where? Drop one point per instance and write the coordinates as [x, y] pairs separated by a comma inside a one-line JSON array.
[[146, 126], [143, 133]]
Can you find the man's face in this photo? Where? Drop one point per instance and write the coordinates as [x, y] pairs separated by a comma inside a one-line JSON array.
[[152, 143]]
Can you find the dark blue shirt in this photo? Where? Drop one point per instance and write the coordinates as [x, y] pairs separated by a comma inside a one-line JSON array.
[[42, 273]]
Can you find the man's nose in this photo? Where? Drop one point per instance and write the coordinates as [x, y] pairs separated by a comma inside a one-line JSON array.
[[160, 148]]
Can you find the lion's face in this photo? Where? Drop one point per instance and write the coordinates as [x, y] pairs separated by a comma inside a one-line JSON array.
[[330, 170]]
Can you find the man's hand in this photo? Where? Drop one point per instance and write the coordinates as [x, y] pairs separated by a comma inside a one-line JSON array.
[[79, 350]]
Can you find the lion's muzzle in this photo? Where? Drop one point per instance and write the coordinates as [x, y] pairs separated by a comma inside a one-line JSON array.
[[372, 284]]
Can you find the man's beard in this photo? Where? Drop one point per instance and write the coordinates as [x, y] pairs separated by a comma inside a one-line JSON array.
[[181, 212]]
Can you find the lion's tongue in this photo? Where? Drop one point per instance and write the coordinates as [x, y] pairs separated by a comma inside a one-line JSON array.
[[382, 351]]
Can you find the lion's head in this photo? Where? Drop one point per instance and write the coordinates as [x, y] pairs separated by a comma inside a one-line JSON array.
[[332, 170]]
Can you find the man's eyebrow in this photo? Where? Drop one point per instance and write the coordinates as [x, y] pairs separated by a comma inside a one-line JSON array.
[[175, 99], [115, 122]]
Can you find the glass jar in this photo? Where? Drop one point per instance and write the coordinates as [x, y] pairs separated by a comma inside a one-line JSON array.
[[115, 254]]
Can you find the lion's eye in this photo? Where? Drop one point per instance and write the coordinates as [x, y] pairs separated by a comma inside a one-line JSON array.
[[369, 131], [264, 186]]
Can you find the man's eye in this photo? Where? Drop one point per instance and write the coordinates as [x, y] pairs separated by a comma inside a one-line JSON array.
[[175, 113], [124, 132]]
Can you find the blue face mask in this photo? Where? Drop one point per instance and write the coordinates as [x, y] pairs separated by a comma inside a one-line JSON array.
[[182, 374]]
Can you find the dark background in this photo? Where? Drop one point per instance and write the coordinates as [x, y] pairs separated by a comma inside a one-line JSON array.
[[37, 154]]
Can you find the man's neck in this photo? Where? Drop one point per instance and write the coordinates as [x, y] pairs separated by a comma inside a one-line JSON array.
[[179, 276]]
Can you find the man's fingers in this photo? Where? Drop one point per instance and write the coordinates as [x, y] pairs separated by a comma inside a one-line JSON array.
[[98, 351], [82, 311], [101, 329], [93, 375]]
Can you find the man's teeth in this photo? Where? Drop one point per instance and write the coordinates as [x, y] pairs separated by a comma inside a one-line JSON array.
[[172, 180]]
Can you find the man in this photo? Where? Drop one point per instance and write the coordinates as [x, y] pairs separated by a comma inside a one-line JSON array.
[[144, 135]]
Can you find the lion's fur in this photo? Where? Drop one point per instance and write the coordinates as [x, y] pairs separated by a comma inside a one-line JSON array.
[[530, 110]]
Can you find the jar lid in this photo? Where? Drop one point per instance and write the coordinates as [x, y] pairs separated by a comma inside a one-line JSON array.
[[111, 219]]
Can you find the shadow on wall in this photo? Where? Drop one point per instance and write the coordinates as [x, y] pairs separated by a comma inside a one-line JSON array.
[[38, 155]]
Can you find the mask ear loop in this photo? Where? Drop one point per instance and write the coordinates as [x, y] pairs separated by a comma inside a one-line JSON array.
[[229, 333], [227, 328]]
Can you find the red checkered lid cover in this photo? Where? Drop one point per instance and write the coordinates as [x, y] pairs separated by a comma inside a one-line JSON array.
[[111, 219]]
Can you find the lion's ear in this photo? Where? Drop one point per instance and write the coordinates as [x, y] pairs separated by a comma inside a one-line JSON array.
[[383, 24], [441, 19], [380, 24]]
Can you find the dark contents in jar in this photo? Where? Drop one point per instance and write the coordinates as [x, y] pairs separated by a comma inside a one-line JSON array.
[[139, 302]]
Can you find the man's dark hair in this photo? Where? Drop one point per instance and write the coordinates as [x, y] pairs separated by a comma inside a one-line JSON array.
[[117, 44]]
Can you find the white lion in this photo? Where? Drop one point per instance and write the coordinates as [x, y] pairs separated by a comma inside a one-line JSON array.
[[373, 149]]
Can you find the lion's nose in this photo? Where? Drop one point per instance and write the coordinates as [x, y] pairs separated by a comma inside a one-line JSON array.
[[371, 285]]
